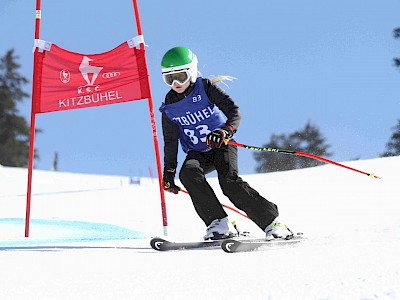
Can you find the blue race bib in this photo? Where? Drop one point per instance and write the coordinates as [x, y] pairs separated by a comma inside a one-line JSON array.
[[196, 116]]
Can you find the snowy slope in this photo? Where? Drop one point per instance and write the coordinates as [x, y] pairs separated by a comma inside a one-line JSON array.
[[89, 239]]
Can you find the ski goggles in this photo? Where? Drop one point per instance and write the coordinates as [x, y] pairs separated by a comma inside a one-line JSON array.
[[180, 77]]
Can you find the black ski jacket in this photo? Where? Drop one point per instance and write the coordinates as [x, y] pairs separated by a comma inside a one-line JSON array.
[[171, 130]]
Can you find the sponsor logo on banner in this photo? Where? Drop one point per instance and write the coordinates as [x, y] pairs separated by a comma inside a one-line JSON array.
[[65, 76], [90, 74], [90, 93], [111, 74]]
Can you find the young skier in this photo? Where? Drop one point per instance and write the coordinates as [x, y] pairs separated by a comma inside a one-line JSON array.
[[202, 116]]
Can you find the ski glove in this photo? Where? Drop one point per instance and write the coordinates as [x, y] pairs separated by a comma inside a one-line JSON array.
[[216, 138], [169, 181]]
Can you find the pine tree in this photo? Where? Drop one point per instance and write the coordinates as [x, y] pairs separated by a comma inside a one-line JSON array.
[[393, 146], [396, 34], [309, 139], [14, 130], [272, 162]]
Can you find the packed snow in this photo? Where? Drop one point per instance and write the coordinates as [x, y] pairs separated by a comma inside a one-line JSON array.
[[89, 238]]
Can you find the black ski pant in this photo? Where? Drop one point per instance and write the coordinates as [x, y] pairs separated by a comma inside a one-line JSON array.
[[225, 161]]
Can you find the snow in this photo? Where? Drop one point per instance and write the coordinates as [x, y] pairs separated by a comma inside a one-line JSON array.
[[89, 238]]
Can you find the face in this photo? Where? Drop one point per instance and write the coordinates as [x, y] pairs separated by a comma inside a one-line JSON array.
[[179, 80], [180, 88]]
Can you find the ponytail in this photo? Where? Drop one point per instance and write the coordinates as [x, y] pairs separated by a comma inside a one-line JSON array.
[[222, 79]]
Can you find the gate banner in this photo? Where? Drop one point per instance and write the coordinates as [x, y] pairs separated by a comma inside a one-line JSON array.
[[66, 80]]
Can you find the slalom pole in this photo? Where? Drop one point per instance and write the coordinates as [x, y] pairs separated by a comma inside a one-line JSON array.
[[226, 206], [153, 126], [31, 154], [298, 153]]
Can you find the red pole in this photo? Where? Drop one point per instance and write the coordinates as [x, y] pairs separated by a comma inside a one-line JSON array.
[[226, 206], [154, 129], [30, 167], [298, 153], [151, 174], [33, 125]]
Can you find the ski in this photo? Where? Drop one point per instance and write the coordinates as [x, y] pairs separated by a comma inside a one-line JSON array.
[[160, 244], [230, 245], [234, 246]]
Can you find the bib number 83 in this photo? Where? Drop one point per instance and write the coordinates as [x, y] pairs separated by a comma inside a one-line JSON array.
[[200, 133]]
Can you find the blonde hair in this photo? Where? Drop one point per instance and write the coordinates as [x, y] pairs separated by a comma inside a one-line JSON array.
[[222, 79]]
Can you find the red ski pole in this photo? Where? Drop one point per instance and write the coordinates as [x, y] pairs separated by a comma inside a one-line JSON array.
[[298, 153], [227, 207]]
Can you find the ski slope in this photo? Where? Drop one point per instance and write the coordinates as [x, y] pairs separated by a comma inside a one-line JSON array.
[[89, 238]]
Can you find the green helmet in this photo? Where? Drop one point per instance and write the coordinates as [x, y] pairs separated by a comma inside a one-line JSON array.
[[180, 58]]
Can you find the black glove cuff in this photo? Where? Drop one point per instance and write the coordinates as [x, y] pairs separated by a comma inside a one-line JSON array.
[[169, 173], [229, 131]]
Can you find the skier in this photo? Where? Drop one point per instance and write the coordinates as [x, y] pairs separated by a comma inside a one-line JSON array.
[[194, 113]]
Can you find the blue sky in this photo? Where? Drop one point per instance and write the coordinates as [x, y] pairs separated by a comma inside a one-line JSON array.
[[329, 62]]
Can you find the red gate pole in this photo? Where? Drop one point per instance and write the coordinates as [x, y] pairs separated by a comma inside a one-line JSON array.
[[154, 128], [33, 124]]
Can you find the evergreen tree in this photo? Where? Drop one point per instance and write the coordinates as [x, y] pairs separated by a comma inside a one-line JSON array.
[[272, 162], [396, 34], [14, 130], [309, 140], [393, 146]]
